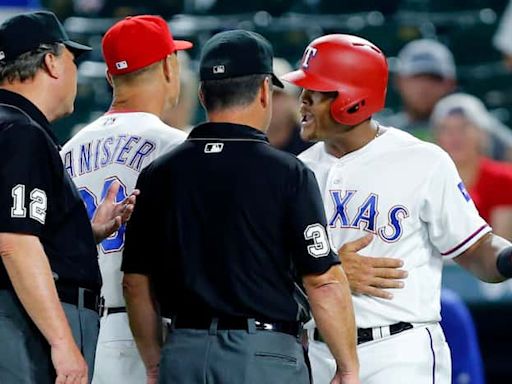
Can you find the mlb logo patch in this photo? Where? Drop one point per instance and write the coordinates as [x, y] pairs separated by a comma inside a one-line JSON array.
[[464, 191], [122, 64], [213, 147], [219, 69]]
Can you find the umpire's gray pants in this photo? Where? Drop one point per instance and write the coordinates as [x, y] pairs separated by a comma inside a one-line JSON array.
[[213, 356], [25, 356]]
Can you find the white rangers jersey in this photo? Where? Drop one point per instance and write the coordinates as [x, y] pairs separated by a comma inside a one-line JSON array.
[[117, 146], [409, 195]]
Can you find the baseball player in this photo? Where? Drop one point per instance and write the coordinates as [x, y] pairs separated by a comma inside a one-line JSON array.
[[405, 195], [143, 69]]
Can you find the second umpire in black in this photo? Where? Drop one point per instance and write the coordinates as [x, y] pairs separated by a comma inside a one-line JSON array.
[[224, 228]]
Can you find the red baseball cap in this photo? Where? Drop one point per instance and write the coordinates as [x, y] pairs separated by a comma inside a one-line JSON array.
[[138, 41]]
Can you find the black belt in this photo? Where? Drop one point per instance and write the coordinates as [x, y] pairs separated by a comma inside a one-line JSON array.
[[365, 335], [81, 297], [111, 310], [231, 323]]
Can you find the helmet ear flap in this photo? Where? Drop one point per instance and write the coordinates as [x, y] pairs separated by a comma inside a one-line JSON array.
[[348, 112]]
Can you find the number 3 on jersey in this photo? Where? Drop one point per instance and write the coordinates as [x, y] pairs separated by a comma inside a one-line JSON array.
[[115, 242], [320, 246]]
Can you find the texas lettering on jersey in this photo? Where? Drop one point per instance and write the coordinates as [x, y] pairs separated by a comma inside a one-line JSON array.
[[366, 216]]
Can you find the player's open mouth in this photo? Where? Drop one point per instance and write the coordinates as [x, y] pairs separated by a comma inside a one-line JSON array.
[[306, 119]]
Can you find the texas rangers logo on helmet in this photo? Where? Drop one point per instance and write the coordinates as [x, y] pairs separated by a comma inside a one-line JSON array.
[[308, 54]]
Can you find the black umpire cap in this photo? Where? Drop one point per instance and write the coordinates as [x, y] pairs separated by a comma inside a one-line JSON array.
[[237, 53], [27, 31]]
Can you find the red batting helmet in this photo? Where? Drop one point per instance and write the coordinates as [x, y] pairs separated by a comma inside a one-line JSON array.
[[350, 65]]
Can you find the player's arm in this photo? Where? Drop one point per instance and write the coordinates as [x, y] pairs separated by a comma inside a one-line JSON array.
[[489, 259], [370, 275], [501, 221], [456, 229], [331, 305], [145, 322]]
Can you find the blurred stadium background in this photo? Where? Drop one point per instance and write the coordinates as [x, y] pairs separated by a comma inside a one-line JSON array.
[[465, 27]]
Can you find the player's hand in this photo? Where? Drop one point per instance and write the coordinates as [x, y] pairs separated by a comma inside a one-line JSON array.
[[370, 275], [111, 215], [345, 378], [69, 364]]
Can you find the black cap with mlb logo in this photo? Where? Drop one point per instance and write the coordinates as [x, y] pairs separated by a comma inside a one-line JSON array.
[[237, 53], [27, 31]]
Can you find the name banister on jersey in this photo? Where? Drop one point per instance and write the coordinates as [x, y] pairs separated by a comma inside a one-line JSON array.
[[128, 150], [365, 215]]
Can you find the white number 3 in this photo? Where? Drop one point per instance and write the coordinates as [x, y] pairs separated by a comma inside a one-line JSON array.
[[320, 246], [37, 207]]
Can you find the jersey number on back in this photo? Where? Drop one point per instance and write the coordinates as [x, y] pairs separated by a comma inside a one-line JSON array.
[[115, 242], [320, 246]]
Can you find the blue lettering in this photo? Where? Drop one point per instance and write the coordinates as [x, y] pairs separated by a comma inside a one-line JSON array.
[[142, 152], [85, 158], [367, 214], [393, 231], [97, 154], [121, 159], [106, 151], [68, 163], [120, 138], [340, 203]]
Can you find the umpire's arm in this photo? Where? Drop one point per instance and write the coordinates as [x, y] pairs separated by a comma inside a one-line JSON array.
[[331, 305], [143, 314], [30, 274], [323, 278]]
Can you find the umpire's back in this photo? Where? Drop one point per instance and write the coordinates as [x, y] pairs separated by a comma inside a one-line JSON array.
[[237, 212], [225, 226]]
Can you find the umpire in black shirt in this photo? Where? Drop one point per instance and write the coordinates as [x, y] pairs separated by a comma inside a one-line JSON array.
[[49, 275], [224, 227]]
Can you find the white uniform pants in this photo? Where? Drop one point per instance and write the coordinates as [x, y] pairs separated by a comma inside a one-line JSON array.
[[117, 357], [419, 355]]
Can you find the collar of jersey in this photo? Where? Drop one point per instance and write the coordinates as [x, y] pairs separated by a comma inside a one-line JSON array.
[[28, 108], [226, 131]]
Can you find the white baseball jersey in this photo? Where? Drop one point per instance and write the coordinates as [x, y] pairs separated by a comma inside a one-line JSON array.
[[117, 146], [409, 195]]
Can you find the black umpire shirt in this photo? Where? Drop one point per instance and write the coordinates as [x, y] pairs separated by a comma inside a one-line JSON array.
[[225, 225], [37, 197]]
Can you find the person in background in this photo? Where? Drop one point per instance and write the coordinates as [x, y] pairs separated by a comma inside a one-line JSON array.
[[284, 130], [462, 127], [503, 38], [426, 73]]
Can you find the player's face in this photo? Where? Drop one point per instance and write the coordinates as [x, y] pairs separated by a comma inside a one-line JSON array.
[[315, 113], [461, 139]]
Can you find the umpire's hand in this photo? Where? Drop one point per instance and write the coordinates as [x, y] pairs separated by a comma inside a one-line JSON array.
[[370, 275], [69, 364], [111, 215]]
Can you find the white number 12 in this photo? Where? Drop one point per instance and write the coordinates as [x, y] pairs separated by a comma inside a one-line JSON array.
[[37, 207]]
